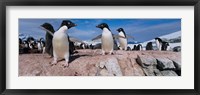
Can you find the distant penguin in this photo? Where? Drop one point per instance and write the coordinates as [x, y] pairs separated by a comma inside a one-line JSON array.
[[26, 44], [128, 48], [149, 46], [30, 40], [71, 47], [48, 38], [41, 45], [134, 47], [21, 46], [31, 45], [25, 48], [61, 42], [97, 46], [177, 49], [158, 43], [165, 46], [139, 47], [20, 41], [91, 46], [106, 39], [122, 41], [82, 46]]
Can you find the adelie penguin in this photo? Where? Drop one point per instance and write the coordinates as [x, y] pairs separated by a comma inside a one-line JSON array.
[[139, 47], [165, 46], [48, 37], [161, 45], [149, 46], [158, 43], [61, 42], [41, 45], [122, 41], [107, 41]]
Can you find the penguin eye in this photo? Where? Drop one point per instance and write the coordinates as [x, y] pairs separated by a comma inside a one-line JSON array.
[[69, 23]]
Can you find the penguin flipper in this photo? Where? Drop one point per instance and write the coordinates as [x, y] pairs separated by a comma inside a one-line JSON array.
[[130, 37], [97, 37], [50, 32], [117, 36], [75, 40]]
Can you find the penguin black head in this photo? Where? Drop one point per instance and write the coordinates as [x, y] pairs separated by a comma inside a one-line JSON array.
[[160, 40], [67, 23], [20, 41], [41, 39], [103, 25], [165, 43], [48, 26], [121, 30], [30, 39]]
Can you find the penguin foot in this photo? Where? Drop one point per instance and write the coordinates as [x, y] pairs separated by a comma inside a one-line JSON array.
[[53, 63], [111, 53], [65, 64]]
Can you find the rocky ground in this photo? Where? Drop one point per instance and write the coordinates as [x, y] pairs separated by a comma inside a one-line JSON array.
[[92, 63]]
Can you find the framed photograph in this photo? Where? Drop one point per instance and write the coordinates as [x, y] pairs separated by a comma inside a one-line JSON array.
[[99, 47]]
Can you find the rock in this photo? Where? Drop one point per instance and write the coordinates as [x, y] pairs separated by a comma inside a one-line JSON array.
[[157, 72], [178, 72], [112, 66], [151, 71], [102, 64], [36, 72], [177, 49], [92, 70], [165, 64], [177, 64], [168, 73], [89, 62], [104, 72], [146, 60], [137, 69]]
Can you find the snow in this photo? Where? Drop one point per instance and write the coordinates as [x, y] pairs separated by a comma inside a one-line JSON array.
[[168, 36], [172, 35]]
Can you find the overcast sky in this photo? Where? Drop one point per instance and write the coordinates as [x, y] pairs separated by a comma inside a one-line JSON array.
[[140, 29]]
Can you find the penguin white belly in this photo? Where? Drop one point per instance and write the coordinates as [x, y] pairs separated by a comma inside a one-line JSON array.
[[39, 46], [60, 44], [158, 45], [123, 41], [107, 41]]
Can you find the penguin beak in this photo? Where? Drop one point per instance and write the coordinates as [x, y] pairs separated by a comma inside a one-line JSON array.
[[73, 25], [41, 27]]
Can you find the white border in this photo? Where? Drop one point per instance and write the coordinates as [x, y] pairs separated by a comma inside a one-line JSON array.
[[186, 81]]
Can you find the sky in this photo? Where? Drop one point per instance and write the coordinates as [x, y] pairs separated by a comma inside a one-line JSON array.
[[141, 29]]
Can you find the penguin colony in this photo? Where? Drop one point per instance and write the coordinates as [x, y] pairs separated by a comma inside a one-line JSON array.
[[59, 45]]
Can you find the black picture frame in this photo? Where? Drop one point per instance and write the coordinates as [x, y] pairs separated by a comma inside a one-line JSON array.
[[4, 3]]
